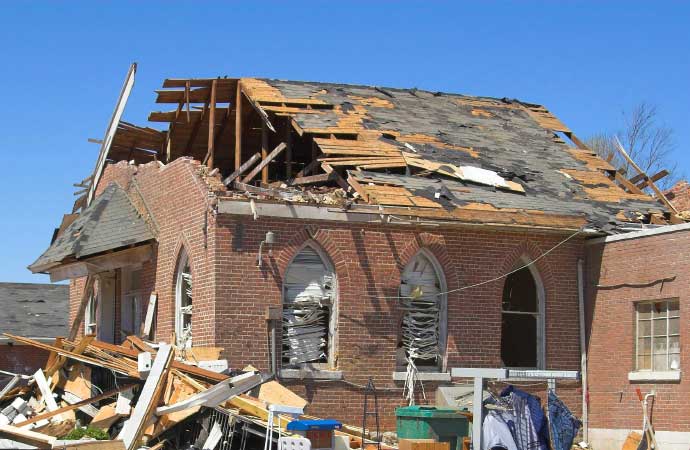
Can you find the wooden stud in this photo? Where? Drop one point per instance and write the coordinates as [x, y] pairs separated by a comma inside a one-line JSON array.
[[338, 179], [186, 97], [288, 151], [654, 178], [264, 150], [212, 126], [320, 178], [195, 130], [238, 126], [276, 151], [89, 401], [627, 184], [243, 168]]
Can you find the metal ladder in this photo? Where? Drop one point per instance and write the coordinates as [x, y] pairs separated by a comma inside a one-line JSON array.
[[370, 389]]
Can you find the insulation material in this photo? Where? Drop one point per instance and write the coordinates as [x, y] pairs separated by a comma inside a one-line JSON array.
[[419, 289], [308, 298]]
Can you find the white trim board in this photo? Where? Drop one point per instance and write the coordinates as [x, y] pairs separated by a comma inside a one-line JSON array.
[[640, 234]]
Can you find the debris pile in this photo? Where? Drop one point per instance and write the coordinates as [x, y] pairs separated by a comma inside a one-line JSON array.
[[96, 395]]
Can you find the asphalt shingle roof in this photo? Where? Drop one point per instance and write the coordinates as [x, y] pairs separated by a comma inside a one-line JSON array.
[[109, 223], [34, 310]]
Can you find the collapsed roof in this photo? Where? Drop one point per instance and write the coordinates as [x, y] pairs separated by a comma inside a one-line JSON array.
[[408, 152]]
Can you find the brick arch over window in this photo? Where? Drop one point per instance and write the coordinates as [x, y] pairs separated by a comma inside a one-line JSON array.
[[532, 285], [436, 246], [323, 241]]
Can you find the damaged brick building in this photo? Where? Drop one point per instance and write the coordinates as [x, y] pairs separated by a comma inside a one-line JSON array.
[[330, 233]]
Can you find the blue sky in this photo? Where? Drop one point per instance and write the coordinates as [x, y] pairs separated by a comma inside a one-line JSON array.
[[64, 63]]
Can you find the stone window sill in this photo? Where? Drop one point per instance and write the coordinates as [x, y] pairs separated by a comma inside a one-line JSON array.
[[671, 375], [423, 376], [311, 374]]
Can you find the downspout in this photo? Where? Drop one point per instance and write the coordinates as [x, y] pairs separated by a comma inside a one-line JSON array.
[[583, 350]]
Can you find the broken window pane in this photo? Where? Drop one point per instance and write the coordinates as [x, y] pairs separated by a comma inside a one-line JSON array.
[[520, 321], [419, 288], [183, 302], [308, 299]]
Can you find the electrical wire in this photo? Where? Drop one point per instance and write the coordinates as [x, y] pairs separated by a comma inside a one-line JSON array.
[[481, 283]]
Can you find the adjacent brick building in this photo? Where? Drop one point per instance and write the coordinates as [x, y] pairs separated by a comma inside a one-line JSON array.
[[386, 228], [631, 278]]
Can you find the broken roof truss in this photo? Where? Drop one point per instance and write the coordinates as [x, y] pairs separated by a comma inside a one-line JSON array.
[[411, 153]]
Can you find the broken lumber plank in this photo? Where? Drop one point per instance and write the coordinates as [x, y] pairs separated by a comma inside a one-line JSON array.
[[182, 367], [71, 355], [243, 168], [340, 180], [654, 178], [33, 438], [306, 170], [46, 393], [150, 311], [276, 151], [99, 397], [217, 394], [105, 417], [148, 399], [89, 445], [313, 179], [660, 195]]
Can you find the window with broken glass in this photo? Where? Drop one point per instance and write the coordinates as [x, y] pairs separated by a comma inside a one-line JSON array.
[[421, 292], [657, 331], [183, 302], [309, 304]]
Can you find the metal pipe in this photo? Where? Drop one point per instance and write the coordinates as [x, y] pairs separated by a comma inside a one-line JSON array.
[[583, 349]]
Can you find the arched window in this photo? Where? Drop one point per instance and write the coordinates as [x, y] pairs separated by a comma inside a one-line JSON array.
[[422, 288], [522, 319], [309, 309], [183, 301]]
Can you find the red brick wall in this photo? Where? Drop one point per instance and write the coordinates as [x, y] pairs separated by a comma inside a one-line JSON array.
[[368, 261], [22, 359], [613, 401], [231, 294]]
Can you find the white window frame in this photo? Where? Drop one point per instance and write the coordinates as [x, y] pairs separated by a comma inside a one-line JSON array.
[[651, 336], [91, 311], [540, 315], [333, 319], [130, 295], [182, 262], [443, 309]]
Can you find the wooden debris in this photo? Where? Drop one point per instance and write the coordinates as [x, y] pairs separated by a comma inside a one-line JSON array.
[[14, 433]]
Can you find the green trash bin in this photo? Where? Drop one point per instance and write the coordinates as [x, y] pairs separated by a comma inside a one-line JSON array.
[[428, 422]]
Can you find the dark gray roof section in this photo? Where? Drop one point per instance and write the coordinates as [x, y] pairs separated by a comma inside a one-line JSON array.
[[109, 223], [506, 138], [34, 310]]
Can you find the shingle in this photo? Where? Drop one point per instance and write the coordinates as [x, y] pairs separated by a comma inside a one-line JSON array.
[[34, 310], [109, 223]]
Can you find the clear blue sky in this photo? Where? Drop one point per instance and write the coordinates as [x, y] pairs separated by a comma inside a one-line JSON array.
[[63, 64]]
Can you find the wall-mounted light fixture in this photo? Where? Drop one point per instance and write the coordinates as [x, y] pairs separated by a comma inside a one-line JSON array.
[[269, 240]]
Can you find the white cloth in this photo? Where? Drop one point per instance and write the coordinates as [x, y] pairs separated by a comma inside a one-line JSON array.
[[495, 433]]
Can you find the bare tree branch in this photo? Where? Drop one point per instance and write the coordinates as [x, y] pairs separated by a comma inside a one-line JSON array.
[[648, 143]]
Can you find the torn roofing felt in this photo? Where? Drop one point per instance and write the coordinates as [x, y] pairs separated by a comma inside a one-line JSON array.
[[111, 222], [33, 309]]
